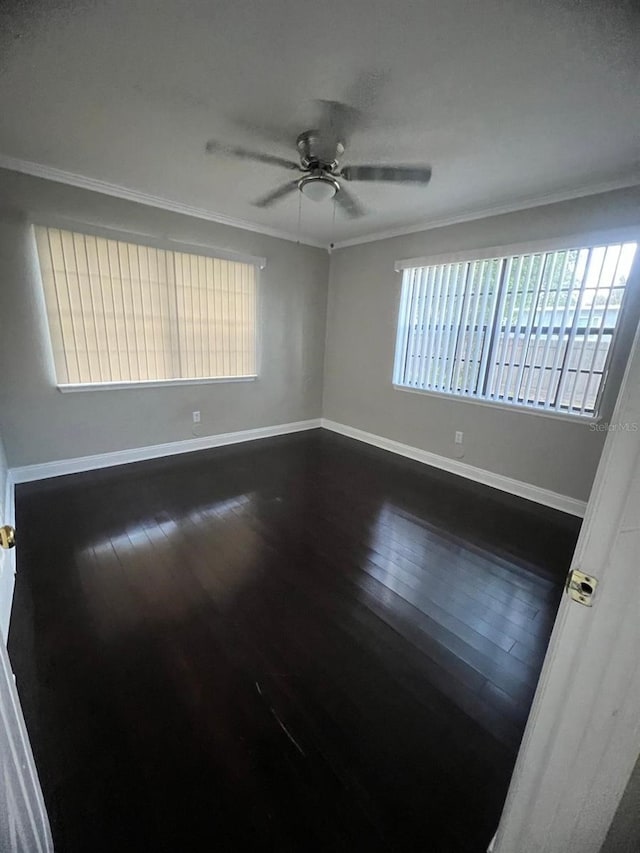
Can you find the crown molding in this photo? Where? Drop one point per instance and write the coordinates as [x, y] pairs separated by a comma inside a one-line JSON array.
[[61, 176], [623, 182], [50, 173]]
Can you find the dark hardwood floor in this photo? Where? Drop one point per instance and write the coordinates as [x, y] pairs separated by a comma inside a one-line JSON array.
[[297, 644]]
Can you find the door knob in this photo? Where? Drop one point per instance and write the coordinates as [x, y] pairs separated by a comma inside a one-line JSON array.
[[7, 537]]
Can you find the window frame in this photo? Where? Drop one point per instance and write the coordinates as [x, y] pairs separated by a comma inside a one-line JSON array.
[[582, 241], [165, 243]]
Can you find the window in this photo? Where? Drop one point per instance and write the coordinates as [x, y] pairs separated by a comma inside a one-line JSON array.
[[531, 330], [122, 312]]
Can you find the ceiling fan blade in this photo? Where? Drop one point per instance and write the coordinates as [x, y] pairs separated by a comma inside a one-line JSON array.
[[247, 154], [349, 203], [338, 121], [275, 134], [366, 87], [276, 195], [392, 174]]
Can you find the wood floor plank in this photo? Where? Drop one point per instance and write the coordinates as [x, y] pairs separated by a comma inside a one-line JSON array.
[[301, 643]]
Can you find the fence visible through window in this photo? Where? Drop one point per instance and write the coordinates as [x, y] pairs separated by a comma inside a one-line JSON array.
[[532, 330]]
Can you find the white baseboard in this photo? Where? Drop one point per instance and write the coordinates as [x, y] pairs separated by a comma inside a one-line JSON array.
[[463, 469], [44, 470], [59, 467], [7, 561]]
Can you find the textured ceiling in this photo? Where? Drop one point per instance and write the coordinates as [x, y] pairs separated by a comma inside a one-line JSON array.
[[508, 101]]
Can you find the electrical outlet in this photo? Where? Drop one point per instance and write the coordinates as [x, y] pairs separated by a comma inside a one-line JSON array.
[[459, 437], [196, 417]]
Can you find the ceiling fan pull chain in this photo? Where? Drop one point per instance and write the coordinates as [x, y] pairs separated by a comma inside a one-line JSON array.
[[333, 225]]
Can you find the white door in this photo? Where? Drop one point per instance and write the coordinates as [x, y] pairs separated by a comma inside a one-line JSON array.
[[583, 734], [24, 827]]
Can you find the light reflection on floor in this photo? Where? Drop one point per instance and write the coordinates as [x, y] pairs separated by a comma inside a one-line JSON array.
[[138, 564], [416, 557], [437, 575]]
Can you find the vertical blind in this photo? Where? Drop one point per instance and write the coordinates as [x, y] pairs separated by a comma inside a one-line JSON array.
[[124, 312], [532, 330]]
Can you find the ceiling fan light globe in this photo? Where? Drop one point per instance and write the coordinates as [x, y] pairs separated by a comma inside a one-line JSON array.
[[319, 187]]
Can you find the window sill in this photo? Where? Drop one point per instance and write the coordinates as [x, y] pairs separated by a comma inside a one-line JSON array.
[[155, 383], [509, 407]]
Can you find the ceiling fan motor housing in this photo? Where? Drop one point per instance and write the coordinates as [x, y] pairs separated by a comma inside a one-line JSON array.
[[317, 151]]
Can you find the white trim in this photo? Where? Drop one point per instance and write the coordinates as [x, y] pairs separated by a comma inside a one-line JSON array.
[[625, 182], [61, 176], [164, 242], [564, 503], [27, 820], [586, 420], [627, 234], [8, 558], [60, 467], [152, 383]]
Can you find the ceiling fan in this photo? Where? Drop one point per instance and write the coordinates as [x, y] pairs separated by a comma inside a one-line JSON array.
[[319, 151]]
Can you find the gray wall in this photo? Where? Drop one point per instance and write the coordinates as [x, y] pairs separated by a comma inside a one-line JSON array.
[[361, 327], [41, 424]]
